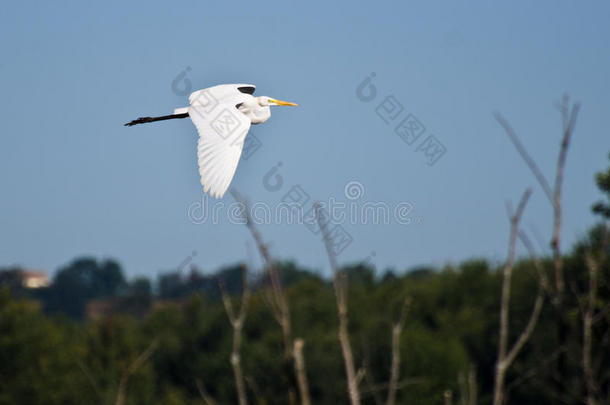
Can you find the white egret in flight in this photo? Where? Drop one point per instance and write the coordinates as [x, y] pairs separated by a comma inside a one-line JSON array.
[[223, 115]]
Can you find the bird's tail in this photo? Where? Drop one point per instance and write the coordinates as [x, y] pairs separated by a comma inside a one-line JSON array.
[[178, 113]]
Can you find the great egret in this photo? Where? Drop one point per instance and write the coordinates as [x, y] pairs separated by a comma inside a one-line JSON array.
[[223, 115]]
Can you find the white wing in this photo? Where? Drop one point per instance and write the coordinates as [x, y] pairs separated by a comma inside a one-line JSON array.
[[222, 129]]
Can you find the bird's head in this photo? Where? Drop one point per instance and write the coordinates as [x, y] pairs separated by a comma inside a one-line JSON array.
[[265, 101]]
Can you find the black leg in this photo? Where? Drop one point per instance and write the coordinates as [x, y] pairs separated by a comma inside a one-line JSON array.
[[143, 120]]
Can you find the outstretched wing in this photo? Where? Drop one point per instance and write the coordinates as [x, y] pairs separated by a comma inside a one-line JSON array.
[[222, 129]]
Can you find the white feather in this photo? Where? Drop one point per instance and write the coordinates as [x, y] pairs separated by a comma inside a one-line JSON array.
[[222, 129]]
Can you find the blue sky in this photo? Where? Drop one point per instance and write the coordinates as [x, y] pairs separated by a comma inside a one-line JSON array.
[[76, 182]]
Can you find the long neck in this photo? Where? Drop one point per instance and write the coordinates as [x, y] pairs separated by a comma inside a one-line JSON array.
[[253, 110]]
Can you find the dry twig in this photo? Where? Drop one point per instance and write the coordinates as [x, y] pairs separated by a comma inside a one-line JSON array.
[[505, 356], [340, 287], [237, 322], [587, 331], [204, 394], [278, 303], [299, 363], [133, 367], [395, 365], [568, 120]]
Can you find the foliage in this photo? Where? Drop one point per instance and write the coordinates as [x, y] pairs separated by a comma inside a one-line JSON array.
[[452, 325], [603, 183]]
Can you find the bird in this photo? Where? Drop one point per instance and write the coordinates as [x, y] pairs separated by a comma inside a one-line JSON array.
[[222, 115]]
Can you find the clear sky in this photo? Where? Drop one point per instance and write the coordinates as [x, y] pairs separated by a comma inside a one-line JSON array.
[[76, 182]]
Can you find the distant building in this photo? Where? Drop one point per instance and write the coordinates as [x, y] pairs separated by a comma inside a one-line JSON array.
[[34, 279]]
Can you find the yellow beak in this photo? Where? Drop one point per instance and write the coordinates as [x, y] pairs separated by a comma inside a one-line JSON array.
[[280, 102]]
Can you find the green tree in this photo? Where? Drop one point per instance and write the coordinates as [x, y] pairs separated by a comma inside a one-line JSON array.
[[603, 183], [82, 280]]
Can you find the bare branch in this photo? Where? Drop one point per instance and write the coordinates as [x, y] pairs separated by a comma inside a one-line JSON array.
[[542, 277], [535, 315], [587, 331], [360, 375], [372, 388], [525, 155], [133, 367], [340, 287], [502, 364], [237, 322], [569, 121], [448, 397], [277, 299], [255, 390], [280, 304], [463, 388], [472, 386], [300, 371], [395, 366], [90, 378], [204, 394], [245, 298], [226, 301], [468, 386], [540, 364]]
